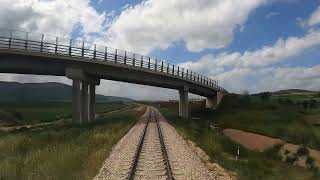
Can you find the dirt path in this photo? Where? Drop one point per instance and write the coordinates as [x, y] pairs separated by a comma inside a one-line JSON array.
[[251, 141]]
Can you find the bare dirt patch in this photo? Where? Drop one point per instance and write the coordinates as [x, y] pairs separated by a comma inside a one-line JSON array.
[[251, 141]]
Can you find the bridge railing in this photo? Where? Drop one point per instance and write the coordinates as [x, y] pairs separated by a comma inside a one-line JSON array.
[[32, 42]]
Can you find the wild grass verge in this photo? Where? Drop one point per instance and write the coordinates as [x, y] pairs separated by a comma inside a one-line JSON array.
[[62, 152], [251, 115]]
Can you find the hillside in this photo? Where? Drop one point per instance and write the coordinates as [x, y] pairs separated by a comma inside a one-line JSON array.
[[293, 91], [14, 91]]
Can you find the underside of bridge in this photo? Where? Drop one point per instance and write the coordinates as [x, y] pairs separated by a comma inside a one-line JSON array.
[[83, 97], [86, 75]]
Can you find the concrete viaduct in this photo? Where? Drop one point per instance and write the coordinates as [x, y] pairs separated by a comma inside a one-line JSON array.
[[85, 65]]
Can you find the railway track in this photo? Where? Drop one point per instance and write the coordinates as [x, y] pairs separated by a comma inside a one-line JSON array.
[[151, 158], [152, 149]]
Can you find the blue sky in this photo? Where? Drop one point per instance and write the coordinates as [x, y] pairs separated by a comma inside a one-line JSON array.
[[258, 45], [259, 30]]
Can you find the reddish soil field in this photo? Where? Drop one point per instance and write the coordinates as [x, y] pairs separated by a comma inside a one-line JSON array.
[[251, 141]]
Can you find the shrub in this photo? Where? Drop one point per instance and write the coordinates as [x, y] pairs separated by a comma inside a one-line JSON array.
[[15, 114], [286, 101], [305, 104], [313, 104], [298, 103], [265, 95], [245, 92]]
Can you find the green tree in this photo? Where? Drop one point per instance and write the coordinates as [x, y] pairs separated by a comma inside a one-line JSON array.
[[312, 103], [305, 104], [265, 95]]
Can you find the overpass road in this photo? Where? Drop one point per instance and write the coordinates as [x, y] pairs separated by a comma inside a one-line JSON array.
[[85, 64]]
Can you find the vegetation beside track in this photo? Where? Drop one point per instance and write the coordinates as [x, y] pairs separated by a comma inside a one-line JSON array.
[[63, 151], [18, 113], [257, 115]]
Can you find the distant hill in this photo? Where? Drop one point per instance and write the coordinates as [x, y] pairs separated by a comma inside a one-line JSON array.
[[14, 91], [294, 91]]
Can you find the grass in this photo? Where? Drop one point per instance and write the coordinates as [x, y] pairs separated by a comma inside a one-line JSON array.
[[254, 115], [267, 118], [297, 97], [64, 151], [37, 112]]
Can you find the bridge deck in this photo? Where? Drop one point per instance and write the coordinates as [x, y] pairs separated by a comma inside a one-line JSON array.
[[25, 53]]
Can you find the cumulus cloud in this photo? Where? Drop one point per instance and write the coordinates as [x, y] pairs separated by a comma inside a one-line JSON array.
[[239, 71], [314, 18], [256, 70], [157, 25], [56, 17], [199, 24], [271, 78], [295, 77], [268, 55]]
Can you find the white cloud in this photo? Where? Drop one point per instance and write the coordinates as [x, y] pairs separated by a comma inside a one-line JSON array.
[[267, 55], [238, 71], [56, 17], [296, 77], [314, 18], [158, 24], [200, 24], [271, 79]]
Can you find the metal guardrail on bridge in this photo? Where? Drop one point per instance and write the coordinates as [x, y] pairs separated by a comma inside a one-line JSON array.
[[31, 42]]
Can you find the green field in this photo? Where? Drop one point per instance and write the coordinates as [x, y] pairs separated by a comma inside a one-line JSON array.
[[298, 97], [252, 114], [62, 151], [38, 112]]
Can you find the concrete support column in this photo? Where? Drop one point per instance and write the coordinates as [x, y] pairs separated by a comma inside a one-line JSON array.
[[76, 101], [214, 101], [85, 103], [180, 103], [92, 107], [184, 103]]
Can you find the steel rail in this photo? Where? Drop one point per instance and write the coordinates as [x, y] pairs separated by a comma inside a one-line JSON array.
[[163, 148], [138, 152]]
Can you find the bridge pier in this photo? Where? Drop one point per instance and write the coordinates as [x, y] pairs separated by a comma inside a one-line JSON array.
[[214, 101], [92, 106], [83, 96], [76, 101], [184, 103], [85, 103]]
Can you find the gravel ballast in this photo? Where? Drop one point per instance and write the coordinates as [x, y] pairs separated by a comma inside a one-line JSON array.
[[184, 162]]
